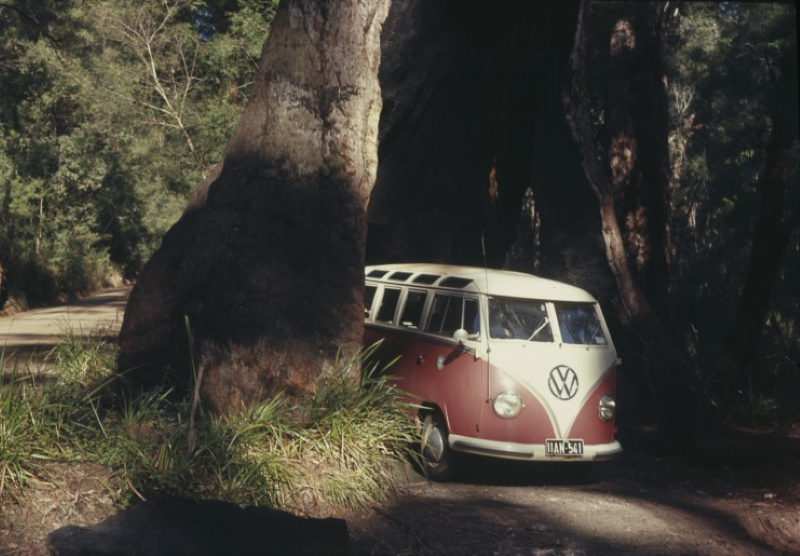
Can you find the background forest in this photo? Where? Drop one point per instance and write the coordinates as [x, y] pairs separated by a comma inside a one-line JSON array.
[[111, 112]]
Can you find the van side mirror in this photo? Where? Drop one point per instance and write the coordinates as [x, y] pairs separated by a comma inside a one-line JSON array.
[[461, 335]]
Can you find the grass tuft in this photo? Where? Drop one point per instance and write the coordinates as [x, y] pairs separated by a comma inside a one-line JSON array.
[[31, 431], [341, 456]]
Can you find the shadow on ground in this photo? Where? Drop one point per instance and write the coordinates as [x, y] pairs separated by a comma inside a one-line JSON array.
[[167, 526]]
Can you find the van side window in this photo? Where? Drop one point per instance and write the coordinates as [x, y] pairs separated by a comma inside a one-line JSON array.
[[388, 305], [412, 312], [472, 322], [452, 312], [369, 296]]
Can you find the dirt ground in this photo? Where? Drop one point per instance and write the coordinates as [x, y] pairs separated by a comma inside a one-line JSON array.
[[738, 495]]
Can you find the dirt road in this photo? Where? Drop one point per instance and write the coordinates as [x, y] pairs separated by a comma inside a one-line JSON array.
[[738, 496], [637, 505], [35, 332]]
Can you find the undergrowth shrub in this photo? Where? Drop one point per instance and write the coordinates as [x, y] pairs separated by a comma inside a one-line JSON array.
[[775, 376], [767, 390]]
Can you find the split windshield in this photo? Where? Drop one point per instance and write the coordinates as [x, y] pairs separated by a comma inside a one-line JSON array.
[[579, 324], [525, 319], [519, 319]]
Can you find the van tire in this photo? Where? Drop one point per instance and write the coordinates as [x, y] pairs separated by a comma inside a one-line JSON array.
[[435, 452]]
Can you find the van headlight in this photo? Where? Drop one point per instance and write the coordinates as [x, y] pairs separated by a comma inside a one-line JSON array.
[[606, 408], [507, 405]]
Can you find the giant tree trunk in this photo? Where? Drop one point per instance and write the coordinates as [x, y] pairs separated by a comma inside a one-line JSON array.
[[441, 81], [462, 82], [266, 264], [668, 374]]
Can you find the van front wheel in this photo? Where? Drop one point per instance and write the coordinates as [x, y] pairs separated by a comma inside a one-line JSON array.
[[437, 457]]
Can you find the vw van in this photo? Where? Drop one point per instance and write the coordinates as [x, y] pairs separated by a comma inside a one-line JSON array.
[[500, 364]]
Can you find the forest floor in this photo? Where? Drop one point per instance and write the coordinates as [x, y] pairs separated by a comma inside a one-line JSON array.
[[737, 495]]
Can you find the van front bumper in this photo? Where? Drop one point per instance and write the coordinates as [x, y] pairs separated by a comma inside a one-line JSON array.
[[529, 452]]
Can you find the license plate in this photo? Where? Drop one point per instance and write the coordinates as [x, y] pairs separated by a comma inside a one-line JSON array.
[[563, 447]]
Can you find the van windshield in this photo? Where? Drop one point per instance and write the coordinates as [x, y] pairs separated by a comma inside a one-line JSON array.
[[579, 323], [519, 319]]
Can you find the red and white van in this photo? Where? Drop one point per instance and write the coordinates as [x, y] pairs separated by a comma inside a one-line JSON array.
[[502, 364]]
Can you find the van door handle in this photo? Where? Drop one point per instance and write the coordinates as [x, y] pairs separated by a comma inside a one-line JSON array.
[[420, 359]]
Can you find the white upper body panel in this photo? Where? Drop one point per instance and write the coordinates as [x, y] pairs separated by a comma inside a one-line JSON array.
[[479, 280]]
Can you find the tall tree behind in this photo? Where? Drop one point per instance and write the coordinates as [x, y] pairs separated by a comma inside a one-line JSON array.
[[634, 140], [266, 265], [669, 375]]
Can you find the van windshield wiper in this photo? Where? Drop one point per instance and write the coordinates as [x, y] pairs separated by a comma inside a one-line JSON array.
[[535, 332]]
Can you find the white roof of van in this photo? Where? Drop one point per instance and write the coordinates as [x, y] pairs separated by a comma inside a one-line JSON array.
[[475, 279]]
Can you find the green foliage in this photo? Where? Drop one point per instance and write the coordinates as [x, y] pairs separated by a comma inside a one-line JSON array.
[[340, 455], [724, 70], [107, 121]]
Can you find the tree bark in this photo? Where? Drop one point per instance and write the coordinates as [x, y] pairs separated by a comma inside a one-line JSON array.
[[669, 376], [635, 144], [441, 80], [3, 288], [266, 264], [462, 82]]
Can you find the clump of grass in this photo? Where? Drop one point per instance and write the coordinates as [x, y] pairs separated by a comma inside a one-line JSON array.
[[31, 430], [81, 362], [341, 456]]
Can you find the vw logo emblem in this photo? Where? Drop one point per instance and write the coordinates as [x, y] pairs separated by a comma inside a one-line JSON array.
[[563, 382]]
